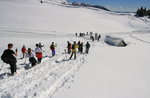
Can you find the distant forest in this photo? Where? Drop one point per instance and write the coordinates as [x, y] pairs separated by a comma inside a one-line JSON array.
[[141, 12], [89, 5]]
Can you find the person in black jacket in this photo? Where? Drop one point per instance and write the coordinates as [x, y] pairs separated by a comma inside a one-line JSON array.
[[9, 57], [87, 47], [81, 47]]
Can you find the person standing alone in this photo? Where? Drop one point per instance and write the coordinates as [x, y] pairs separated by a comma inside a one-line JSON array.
[[87, 47], [52, 47]]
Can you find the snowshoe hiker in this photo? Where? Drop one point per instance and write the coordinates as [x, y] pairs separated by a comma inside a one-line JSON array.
[[40, 46], [52, 47], [98, 38], [81, 47], [24, 51], [38, 53], [74, 51], [76, 34], [87, 33], [92, 38], [69, 47], [87, 47], [32, 59], [8, 57]]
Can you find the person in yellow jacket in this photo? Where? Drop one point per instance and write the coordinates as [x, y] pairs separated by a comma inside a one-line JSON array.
[[74, 50]]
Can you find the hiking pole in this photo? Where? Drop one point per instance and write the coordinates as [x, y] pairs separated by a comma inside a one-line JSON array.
[[2, 66]]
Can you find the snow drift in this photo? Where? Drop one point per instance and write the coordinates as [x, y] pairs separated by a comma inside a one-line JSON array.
[[114, 41]]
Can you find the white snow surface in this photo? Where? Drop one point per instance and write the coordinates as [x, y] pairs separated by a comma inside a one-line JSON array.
[[106, 72]]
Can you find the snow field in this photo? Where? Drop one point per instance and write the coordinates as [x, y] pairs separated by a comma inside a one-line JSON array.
[[107, 72]]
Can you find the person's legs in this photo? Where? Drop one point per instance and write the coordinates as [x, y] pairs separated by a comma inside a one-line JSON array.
[[53, 52], [23, 55], [13, 68], [71, 55], [69, 51], [87, 50], [39, 60], [75, 55], [32, 61], [81, 50]]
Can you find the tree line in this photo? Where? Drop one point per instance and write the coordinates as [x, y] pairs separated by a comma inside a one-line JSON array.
[[141, 12]]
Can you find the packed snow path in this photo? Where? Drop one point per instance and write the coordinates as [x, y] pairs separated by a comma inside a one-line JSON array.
[[42, 80]]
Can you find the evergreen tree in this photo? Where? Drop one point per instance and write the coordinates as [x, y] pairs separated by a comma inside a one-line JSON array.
[[144, 12], [138, 12], [141, 14], [148, 13]]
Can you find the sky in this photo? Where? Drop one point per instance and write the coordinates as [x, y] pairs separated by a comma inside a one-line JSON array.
[[119, 5]]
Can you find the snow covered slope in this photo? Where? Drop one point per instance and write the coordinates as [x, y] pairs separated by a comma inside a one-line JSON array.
[[107, 72]]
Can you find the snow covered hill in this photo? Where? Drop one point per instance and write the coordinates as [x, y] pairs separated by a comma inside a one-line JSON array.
[[106, 72]]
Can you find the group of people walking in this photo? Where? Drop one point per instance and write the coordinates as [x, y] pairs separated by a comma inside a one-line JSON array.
[[77, 47], [35, 56]]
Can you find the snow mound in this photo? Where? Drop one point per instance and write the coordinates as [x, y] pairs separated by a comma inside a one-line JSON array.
[[114, 41]]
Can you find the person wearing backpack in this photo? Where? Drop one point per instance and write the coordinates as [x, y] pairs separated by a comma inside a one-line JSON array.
[[87, 47], [8, 57], [32, 59], [38, 53], [52, 47], [24, 51], [74, 51]]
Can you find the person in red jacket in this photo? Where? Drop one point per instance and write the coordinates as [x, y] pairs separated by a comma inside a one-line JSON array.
[[24, 51]]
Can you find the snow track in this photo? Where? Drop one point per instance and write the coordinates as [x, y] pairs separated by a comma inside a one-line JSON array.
[[44, 79]]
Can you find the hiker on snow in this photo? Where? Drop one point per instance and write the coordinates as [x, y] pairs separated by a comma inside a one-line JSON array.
[[8, 57], [98, 38], [40, 46], [24, 51], [69, 47], [38, 53], [81, 47], [87, 47], [52, 47], [32, 59], [74, 51], [92, 37], [76, 34]]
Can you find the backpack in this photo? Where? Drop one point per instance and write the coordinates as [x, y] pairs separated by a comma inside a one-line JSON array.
[[4, 58]]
